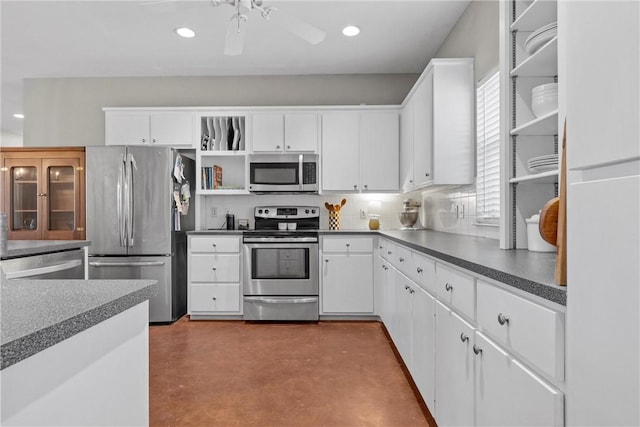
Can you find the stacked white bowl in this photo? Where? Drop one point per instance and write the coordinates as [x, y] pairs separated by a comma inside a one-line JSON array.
[[544, 99]]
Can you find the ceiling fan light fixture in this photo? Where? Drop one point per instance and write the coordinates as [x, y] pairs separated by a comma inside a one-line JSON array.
[[185, 32], [351, 30]]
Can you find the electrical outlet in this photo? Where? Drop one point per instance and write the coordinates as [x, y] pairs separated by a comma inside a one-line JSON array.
[[226, 211], [363, 214], [214, 212], [460, 211]]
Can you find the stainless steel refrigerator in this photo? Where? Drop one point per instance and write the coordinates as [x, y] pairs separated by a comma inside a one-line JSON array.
[[131, 222]]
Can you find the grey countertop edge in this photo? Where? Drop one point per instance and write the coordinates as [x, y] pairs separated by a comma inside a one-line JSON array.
[[19, 248], [26, 346]]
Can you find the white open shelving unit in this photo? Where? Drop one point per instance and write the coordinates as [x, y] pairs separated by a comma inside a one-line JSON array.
[[527, 135]]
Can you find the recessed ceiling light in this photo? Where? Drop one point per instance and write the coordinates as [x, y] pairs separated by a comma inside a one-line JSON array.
[[18, 116], [185, 32], [351, 30]]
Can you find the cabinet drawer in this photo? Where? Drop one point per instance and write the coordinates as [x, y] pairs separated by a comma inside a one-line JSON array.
[[534, 332], [223, 297], [215, 244], [390, 252], [456, 289], [423, 272], [382, 247], [347, 244], [402, 260], [215, 268]]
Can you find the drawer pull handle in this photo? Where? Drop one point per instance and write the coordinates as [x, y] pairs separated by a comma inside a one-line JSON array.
[[388, 252], [379, 247], [502, 319], [326, 260], [401, 259], [463, 337], [477, 350], [213, 298], [214, 245], [448, 287], [419, 270], [406, 287], [348, 244], [214, 269], [385, 267], [411, 291]]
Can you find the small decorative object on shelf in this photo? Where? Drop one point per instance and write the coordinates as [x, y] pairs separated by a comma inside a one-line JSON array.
[[334, 214], [374, 215]]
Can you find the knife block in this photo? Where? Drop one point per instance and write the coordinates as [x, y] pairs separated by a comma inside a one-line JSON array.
[[334, 220]]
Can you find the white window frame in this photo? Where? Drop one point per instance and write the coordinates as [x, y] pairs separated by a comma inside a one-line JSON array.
[[488, 201]]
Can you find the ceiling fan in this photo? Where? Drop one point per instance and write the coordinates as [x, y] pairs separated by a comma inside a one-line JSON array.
[[237, 26], [234, 43]]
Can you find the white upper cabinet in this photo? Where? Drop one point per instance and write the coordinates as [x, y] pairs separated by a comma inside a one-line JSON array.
[[437, 128], [145, 128], [360, 151], [278, 132]]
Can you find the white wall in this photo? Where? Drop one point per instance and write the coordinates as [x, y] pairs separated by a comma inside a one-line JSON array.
[[9, 139], [68, 111]]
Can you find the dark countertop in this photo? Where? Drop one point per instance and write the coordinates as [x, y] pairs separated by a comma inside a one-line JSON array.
[[37, 314], [532, 272], [20, 248]]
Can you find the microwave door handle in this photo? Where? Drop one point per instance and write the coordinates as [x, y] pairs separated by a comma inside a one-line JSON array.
[[300, 177]]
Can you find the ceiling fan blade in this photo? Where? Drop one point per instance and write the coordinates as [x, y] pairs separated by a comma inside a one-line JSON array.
[[236, 30], [297, 26]]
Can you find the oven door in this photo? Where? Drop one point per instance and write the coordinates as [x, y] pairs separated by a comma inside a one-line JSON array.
[[280, 269]]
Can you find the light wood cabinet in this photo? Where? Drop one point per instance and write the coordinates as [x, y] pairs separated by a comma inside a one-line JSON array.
[[214, 278], [284, 132], [165, 128], [437, 126], [360, 151], [44, 193]]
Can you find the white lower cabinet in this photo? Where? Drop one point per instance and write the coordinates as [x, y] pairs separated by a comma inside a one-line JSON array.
[[508, 393], [214, 276], [454, 378], [505, 369], [347, 275]]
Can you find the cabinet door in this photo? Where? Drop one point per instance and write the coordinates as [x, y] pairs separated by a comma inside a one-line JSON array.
[[267, 132], [129, 128], [509, 394], [22, 197], [172, 129], [379, 151], [63, 205], [347, 283], [406, 146], [340, 151], [301, 132], [609, 110], [423, 131], [422, 344], [402, 333], [454, 377]]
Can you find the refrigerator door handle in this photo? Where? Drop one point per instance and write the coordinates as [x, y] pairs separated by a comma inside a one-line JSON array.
[[130, 208], [120, 189], [126, 264]]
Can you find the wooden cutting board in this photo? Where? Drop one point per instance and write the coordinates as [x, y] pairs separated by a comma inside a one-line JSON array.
[[548, 225], [561, 240]]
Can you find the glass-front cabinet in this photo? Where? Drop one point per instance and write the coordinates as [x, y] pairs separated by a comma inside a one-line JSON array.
[[43, 193]]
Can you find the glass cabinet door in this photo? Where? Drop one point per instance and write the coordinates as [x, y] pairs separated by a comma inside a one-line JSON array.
[[24, 194], [61, 196]]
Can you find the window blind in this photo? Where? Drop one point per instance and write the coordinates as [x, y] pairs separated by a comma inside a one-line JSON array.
[[488, 151]]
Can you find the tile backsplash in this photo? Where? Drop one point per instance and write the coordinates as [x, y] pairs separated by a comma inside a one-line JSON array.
[[450, 210]]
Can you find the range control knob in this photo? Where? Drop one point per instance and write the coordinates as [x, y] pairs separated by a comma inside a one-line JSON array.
[[266, 211], [306, 211], [259, 211], [313, 211]]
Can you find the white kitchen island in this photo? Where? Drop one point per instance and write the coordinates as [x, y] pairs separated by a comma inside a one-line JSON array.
[[75, 352]]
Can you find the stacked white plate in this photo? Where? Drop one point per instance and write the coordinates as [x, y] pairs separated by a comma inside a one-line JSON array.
[[544, 99], [543, 163], [539, 37]]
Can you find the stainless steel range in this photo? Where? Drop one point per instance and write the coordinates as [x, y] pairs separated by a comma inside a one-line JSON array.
[[281, 264]]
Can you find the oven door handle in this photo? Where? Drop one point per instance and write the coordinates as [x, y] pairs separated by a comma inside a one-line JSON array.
[[271, 240], [295, 300]]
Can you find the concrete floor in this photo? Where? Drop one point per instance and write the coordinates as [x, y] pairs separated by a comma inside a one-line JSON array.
[[232, 373]]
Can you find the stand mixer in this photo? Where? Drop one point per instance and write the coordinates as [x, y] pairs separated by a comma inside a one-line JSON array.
[[409, 213]]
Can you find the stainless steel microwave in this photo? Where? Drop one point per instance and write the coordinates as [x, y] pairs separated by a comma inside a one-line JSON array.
[[283, 173]]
